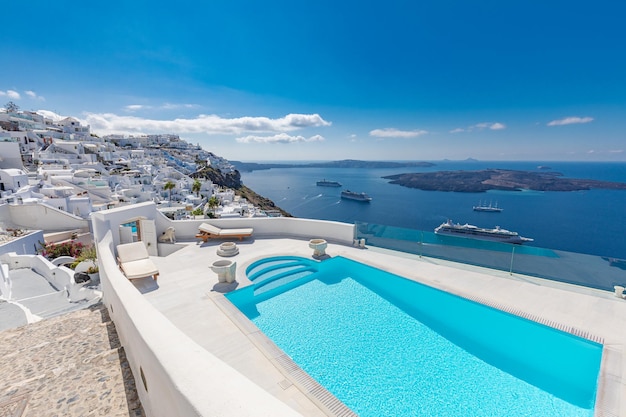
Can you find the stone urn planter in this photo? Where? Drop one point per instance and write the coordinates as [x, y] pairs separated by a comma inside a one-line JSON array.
[[225, 270], [318, 246], [228, 249]]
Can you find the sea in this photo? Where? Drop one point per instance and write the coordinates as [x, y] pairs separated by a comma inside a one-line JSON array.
[[590, 222]]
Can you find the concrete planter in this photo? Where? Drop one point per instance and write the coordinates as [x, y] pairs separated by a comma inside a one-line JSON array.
[[318, 246], [225, 270]]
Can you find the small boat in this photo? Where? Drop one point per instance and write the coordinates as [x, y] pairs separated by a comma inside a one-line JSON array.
[[488, 209], [325, 183], [470, 231], [351, 195]]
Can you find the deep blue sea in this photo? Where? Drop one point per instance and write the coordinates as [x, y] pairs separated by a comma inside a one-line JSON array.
[[591, 222]]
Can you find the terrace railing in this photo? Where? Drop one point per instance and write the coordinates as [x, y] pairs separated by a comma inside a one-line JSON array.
[[569, 267]]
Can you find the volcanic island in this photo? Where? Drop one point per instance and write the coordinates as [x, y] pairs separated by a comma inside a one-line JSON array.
[[498, 179]]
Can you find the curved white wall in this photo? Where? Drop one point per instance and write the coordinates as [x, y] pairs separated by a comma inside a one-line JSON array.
[[181, 377]]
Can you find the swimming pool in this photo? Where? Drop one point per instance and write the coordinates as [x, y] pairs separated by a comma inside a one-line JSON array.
[[385, 345]]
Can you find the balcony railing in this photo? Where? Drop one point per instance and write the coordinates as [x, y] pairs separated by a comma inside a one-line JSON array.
[[569, 267]]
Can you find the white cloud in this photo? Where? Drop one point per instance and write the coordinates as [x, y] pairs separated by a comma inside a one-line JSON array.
[[616, 151], [170, 106], [11, 94], [55, 117], [570, 121], [108, 123], [135, 107], [165, 106], [34, 95], [391, 132], [279, 138], [480, 126]]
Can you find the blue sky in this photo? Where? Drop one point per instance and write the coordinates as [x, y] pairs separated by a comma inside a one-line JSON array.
[[288, 80]]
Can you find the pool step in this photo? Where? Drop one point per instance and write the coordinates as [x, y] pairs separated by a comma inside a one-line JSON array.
[[272, 273]]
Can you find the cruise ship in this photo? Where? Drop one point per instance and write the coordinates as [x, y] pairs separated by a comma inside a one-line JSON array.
[[351, 195], [325, 183], [470, 231]]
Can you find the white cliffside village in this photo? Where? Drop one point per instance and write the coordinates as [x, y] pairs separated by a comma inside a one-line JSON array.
[[54, 174]]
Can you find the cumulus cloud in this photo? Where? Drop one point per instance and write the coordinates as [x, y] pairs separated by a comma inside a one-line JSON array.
[[55, 117], [279, 138], [480, 126], [14, 95], [108, 123], [392, 132], [34, 95], [570, 121]]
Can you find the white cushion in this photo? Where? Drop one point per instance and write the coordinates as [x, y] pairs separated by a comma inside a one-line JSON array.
[[209, 228], [132, 251], [236, 232], [139, 269]]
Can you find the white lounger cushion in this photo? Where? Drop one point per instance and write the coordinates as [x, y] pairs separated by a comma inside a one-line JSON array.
[[139, 268], [135, 260], [127, 252], [209, 228]]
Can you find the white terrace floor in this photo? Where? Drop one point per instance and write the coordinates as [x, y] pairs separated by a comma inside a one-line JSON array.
[[189, 294]]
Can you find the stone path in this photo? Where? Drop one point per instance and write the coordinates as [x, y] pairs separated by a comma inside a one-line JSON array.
[[71, 365]]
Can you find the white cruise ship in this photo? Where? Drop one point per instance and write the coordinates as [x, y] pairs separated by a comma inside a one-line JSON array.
[[470, 231], [351, 195]]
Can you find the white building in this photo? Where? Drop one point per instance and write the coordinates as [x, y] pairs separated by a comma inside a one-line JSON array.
[[12, 179], [9, 152]]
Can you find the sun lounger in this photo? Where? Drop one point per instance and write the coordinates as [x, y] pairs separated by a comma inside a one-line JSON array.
[[208, 231], [135, 262]]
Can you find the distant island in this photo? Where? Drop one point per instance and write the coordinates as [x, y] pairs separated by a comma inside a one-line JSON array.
[[498, 179], [346, 163]]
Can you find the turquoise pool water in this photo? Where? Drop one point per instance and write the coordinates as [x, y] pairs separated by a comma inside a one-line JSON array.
[[387, 346]]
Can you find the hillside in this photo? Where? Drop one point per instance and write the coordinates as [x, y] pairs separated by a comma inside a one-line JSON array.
[[232, 180]]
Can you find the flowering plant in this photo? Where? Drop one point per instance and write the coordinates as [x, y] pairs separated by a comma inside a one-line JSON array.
[[54, 250]]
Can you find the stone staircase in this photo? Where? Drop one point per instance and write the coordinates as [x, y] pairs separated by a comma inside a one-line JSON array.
[[69, 365]]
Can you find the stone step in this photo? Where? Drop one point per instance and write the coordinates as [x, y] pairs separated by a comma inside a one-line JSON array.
[[71, 365]]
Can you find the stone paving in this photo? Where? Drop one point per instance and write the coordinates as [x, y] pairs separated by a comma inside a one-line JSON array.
[[71, 365]]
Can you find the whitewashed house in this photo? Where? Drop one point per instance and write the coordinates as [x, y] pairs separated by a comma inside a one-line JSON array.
[[12, 179]]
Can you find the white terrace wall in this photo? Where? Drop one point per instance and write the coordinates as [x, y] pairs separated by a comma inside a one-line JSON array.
[[24, 245], [44, 217], [263, 226], [174, 375], [268, 227], [59, 276]]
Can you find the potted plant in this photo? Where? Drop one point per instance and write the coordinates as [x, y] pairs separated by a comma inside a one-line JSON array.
[[93, 273]]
